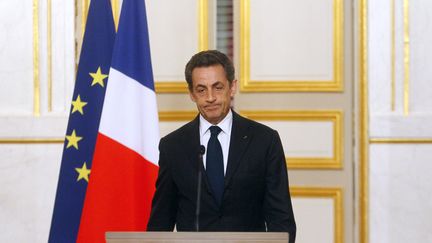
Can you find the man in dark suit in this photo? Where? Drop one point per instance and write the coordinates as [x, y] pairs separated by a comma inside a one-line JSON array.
[[245, 182]]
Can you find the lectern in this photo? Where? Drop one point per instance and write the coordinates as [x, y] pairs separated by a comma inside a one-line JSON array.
[[196, 237]]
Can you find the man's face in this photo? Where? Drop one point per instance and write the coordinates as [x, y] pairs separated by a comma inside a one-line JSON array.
[[212, 92]]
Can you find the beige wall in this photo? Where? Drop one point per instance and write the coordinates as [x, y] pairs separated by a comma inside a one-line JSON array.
[[299, 66]]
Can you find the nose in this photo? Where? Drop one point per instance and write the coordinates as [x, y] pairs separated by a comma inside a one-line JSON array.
[[210, 96]]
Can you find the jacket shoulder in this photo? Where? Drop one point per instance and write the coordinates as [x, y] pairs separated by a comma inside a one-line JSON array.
[[187, 130], [255, 126]]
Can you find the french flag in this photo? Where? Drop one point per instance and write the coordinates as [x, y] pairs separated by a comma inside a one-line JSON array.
[[124, 167]]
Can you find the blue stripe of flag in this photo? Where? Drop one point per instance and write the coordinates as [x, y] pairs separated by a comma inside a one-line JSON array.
[[96, 52], [131, 54]]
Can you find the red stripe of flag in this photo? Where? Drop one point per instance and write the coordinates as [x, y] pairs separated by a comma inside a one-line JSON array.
[[119, 197]]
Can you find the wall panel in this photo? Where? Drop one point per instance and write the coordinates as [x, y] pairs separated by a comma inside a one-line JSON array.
[[399, 192], [16, 57], [400, 114], [28, 175], [319, 214], [178, 29], [291, 45]]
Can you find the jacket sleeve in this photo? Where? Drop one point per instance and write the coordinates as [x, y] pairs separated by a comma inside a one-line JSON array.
[[164, 205], [277, 207]]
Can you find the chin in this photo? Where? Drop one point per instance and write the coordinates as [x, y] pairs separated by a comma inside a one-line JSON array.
[[213, 118]]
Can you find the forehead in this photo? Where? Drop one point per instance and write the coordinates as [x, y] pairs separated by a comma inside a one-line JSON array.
[[208, 75]]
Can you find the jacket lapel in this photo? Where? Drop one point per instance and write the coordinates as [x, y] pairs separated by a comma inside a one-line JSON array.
[[192, 143], [240, 137], [192, 146]]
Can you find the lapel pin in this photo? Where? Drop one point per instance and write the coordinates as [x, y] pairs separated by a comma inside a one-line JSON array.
[[245, 136]]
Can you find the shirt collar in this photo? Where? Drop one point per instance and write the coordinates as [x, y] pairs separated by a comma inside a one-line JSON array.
[[225, 124]]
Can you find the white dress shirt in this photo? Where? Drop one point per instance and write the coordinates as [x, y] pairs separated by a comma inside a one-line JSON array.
[[224, 136]]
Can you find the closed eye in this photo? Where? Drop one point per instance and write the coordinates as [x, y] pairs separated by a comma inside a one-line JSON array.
[[219, 87]]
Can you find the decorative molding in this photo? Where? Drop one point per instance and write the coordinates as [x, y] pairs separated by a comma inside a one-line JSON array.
[[116, 12], [49, 61], [168, 116], [36, 80], [247, 85], [363, 125], [393, 56], [336, 117], [203, 39], [171, 87], [85, 7], [400, 140], [180, 86], [406, 56], [334, 193]]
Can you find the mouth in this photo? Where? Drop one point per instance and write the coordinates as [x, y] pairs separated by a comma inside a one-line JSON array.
[[211, 107]]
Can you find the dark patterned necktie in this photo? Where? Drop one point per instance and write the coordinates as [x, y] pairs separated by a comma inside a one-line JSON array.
[[214, 164]]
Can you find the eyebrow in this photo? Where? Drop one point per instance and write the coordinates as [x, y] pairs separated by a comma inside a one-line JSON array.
[[213, 85], [217, 83]]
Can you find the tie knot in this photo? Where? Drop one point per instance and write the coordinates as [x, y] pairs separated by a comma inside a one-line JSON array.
[[215, 130]]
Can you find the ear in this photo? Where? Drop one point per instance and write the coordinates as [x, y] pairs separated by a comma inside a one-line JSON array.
[[233, 88]]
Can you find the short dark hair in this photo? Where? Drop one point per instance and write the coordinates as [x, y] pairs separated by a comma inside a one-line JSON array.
[[207, 59]]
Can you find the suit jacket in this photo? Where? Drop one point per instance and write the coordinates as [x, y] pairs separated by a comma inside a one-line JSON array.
[[256, 195]]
